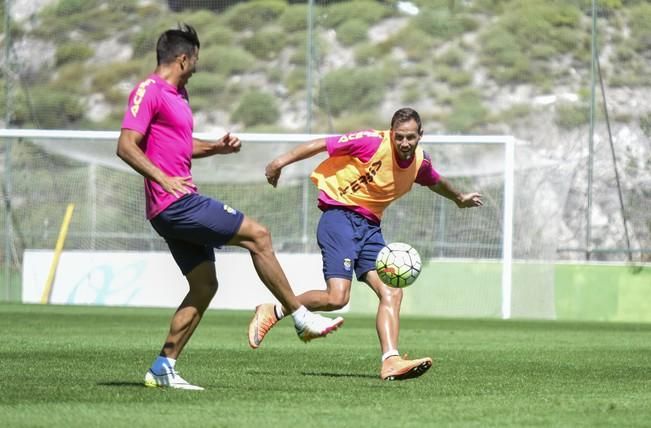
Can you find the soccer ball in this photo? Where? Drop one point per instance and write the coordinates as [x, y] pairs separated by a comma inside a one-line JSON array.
[[398, 265]]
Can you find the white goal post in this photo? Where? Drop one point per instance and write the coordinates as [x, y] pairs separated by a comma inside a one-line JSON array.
[[75, 144]]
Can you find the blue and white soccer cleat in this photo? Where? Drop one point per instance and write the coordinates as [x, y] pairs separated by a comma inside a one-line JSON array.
[[168, 380]]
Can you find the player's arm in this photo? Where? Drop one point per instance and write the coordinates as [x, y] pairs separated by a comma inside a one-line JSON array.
[[225, 145], [298, 153], [463, 200], [130, 152]]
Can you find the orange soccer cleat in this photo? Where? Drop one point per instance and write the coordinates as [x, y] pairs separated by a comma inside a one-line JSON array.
[[400, 368], [264, 318]]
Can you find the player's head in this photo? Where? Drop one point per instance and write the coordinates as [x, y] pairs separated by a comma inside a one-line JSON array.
[[181, 47], [406, 132]]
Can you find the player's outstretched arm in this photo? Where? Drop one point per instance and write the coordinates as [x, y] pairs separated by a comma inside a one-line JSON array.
[[463, 200], [304, 151], [130, 152], [225, 145]]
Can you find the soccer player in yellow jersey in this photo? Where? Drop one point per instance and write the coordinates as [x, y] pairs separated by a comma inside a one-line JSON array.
[[364, 173]]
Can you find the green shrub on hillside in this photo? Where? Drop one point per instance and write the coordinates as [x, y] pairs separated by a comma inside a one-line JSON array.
[[319, 50], [468, 112], [573, 115], [255, 108], [452, 57], [359, 120], [455, 77], [21, 115], [225, 60], [548, 22], [72, 51], [294, 18], [55, 109], [502, 55], [351, 89], [513, 113], [411, 93], [603, 6], [206, 84], [416, 43], [255, 14], [67, 78], [94, 20], [202, 20], [368, 11], [352, 31], [265, 44], [645, 124], [295, 79], [104, 78], [368, 53], [64, 8], [640, 21], [217, 35], [527, 31], [442, 24]]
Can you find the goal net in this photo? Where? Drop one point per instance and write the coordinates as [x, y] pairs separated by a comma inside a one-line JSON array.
[[468, 252]]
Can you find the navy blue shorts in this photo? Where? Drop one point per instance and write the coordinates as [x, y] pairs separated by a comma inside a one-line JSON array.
[[193, 226], [348, 242]]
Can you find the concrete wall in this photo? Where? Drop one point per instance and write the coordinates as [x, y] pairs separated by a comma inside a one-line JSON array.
[[464, 288]]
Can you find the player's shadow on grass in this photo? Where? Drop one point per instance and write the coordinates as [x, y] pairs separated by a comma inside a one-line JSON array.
[[140, 384], [329, 374]]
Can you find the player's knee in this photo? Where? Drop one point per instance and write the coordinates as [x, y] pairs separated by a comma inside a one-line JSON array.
[[205, 289], [391, 296], [262, 238], [337, 300], [212, 287]]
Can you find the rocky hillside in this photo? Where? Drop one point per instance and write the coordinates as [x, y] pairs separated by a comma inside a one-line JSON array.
[[519, 67]]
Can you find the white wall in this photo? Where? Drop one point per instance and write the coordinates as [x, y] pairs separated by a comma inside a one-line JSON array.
[[153, 279]]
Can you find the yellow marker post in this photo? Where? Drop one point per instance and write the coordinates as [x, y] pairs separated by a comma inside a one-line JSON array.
[[63, 232]]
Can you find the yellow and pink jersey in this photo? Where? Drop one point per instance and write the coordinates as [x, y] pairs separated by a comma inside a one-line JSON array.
[[161, 113], [364, 174]]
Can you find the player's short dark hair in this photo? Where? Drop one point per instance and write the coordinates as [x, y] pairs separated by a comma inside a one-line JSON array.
[[405, 115], [173, 43]]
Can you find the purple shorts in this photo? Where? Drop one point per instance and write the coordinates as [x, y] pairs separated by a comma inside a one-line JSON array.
[[348, 242], [194, 226]]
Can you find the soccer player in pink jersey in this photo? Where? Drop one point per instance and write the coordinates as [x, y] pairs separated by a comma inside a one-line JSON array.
[[156, 140], [365, 172]]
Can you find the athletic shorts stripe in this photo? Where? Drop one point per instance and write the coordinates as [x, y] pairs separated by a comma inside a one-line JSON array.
[[194, 226], [348, 242]]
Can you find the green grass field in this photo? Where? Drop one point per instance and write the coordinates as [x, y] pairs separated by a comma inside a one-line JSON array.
[[83, 366]]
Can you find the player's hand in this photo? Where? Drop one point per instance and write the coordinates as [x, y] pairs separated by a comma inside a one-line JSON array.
[[230, 143], [469, 200], [272, 172], [178, 186]]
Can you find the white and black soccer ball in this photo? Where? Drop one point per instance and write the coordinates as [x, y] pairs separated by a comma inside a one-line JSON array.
[[398, 265]]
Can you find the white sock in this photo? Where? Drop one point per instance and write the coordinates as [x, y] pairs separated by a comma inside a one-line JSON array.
[[278, 310], [299, 316], [391, 353], [163, 365]]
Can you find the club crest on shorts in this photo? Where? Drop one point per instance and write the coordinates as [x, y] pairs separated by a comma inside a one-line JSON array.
[[229, 209], [348, 264]]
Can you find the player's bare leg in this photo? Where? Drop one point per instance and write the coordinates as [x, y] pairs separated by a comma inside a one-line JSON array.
[[257, 240], [335, 296], [203, 286], [387, 323], [202, 281]]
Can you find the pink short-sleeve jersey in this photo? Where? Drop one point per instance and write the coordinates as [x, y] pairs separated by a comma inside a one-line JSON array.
[[363, 145], [161, 113]]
